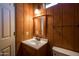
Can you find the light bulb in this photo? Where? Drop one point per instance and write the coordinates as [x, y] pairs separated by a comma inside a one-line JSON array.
[[37, 12]]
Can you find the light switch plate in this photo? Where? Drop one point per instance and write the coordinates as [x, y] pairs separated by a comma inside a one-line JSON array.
[[27, 33]]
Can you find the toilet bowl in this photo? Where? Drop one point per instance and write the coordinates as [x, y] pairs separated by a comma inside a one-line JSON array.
[[57, 51]]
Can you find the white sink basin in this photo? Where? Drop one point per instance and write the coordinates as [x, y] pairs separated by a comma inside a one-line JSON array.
[[35, 43]]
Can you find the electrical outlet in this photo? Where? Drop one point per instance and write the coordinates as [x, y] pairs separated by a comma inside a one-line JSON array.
[[27, 33]]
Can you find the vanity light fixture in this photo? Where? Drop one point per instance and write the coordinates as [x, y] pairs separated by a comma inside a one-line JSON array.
[[37, 12]]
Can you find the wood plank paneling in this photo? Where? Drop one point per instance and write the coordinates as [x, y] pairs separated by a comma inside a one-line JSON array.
[[68, 29], [65, 22], [19, 25], [31, 20], [28, 21], [57, 36], [24, 23], [58, 15], [68, 37], [50, 26], [76, 28], [68, 14], [57, 26], [76, 39]]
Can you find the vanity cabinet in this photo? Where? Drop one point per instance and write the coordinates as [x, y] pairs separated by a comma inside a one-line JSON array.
[[30, 51]]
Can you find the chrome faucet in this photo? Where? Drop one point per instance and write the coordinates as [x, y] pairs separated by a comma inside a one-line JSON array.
[[38, 38]]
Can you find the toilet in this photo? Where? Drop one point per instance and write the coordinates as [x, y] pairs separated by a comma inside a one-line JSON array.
[[57, 51]]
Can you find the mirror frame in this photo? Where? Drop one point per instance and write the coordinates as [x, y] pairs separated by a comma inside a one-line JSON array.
[[45, 26]]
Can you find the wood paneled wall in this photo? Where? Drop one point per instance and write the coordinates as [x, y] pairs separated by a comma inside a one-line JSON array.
[[24, 23], [63, 26], [19, 25], [28, 21]]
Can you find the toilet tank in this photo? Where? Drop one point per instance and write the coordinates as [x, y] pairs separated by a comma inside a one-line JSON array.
[[57, 51]]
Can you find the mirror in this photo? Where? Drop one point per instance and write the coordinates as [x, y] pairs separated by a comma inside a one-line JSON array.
[[39, 25]]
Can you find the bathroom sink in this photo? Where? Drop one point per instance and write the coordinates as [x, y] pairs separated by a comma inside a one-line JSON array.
[[35, 43]]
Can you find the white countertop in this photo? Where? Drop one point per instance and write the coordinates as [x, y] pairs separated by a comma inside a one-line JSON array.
[[35, 43]]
